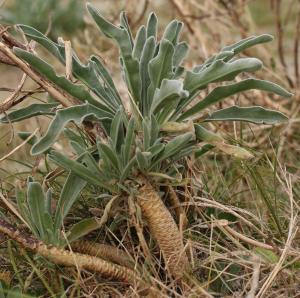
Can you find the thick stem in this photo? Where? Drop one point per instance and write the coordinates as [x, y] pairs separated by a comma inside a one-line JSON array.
[[69, 258], [164, 229], [103, 251]]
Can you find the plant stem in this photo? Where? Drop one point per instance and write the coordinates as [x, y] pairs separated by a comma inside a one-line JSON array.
[[164, 229]]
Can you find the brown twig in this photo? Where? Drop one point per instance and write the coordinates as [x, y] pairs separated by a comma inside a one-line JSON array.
[[60, 95]]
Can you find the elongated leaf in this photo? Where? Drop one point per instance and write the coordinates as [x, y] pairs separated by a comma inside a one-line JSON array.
[[171, 32], [139, 43], [109, 155], [220, 70], [24, 210], [127, 169], [107, 79], [25, 134], [128, 143], [177, 144], [117, 128], [124, 24], [142, 159], [247, 43], [222, 92], [88, 74], [82, 228], [78, 91], [202, 134], [173, 147], [70, 192], [79, 170], [181, 50], [35, 109], [122, 37], [204, 149], [152, 25], [160, 67], [230, 51], [146, 56], [254, 114], [36, 203], [62, 117]]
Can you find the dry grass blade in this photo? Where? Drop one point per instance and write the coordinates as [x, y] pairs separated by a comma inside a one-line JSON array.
[[19, 146], [60, 95], [293, 228]]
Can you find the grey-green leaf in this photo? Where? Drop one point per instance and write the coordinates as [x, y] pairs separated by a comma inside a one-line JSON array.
[[254, 114], [82, 228], [36, 203], [35, 109], [79, 169], [139, 43], [152, 26], [77, 91], [218, 71], [62, 117], [70, 192], [222, 92]]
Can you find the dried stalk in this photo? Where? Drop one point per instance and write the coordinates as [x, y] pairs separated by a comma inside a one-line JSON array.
[[103, 251], [68, 258], [60, 95], [164, 229]]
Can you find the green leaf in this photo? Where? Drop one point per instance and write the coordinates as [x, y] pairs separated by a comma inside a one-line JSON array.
[[169, 91], [124, 24], [230, 51], [25, 134], [122, 37], [23, 208], [62, 118], [202, 134], [173, 147], [127, 169], [107, 79], [88, 74], [222, 92], [35, 109], [254, 114], [139, 43], [36, 203], [171, 32], [79, 170], [77, 91], [152, 26], [109, 155], [142, 159], [129, 138], [146, 56], [219, 71], [204, 149], [181, 50], [82, 228], [247, 43], [69, 194], [267, 254], [160, 67], [116, 128]]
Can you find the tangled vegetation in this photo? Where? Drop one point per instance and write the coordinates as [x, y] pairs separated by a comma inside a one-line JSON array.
[[135, 157]]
